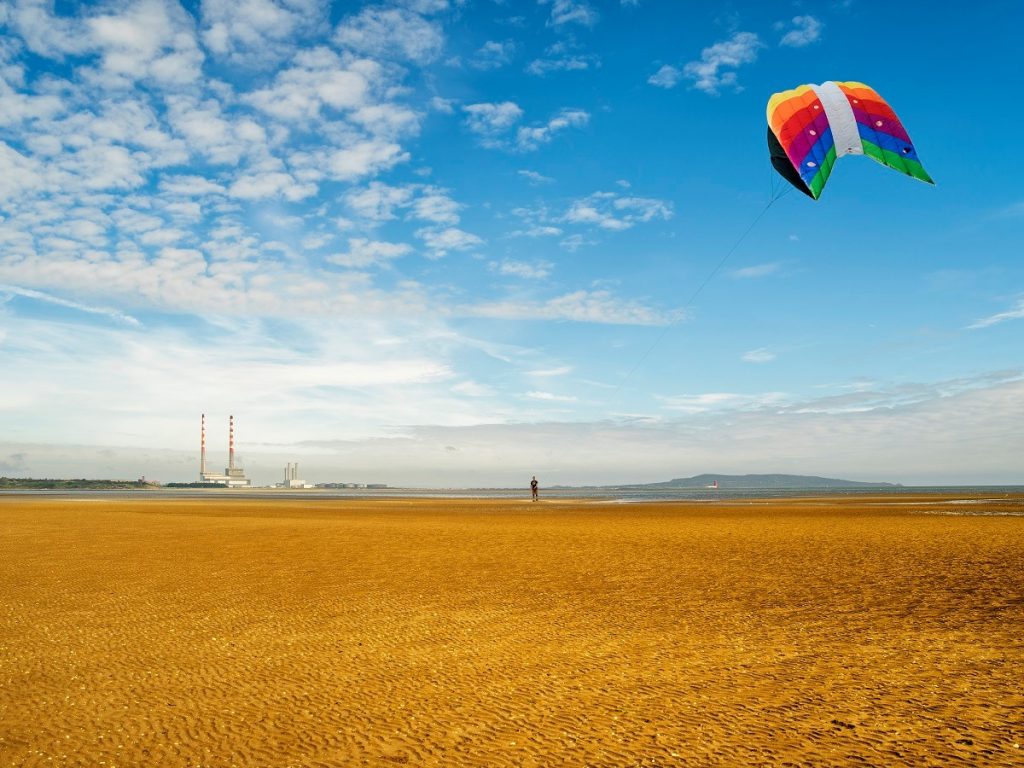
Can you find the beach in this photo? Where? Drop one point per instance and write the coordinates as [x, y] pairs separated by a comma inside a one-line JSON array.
[[869, 631]]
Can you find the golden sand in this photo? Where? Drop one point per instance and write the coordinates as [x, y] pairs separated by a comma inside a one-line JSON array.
[[233, 632]]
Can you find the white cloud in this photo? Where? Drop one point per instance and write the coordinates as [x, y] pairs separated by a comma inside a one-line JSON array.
[[551, 397], [445, 106], [569, 63], [717, 401], [571, 12], [263, 185], [391, 33], [805, 30], [579, 306], [473, 389], [378, 201], [19, 175], [759, 355], [365, 158], [1016, 313], [612, 212], [387, 120], [967, 438], [316, 240], [148, 39], [364, 253], [18, 108], [573, 243], [45, 33], [319, 79], [493, 54], [717, 64], [435, 205], [535, 178], [442, 240], [666, 77], [540, 231], [191, 186], [756, 270], [549, 372], [208, 132], [529, 138], [525, 270], [487, 119], [257, 33]]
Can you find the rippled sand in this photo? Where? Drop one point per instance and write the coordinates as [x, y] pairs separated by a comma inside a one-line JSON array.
[[502, 633]]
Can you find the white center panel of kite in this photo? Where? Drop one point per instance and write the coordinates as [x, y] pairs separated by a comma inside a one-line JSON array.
[[840, 119]]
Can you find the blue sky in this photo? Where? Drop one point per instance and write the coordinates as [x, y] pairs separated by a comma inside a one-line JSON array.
[[429, 242]]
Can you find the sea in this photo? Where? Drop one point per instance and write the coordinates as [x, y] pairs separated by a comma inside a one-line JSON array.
[[973, 501]]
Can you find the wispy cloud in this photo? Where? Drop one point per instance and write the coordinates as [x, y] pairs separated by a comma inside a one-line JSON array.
[[493, 54], [578, 306], [716, 68], [526, 270], [535, 178], [364, 253], [545, 373], [528, 138], [28, 293], [1016, 313], [441, 240], [571, 12], [1011, 211], [756, 270], [759, 355], [719, 401], [551, 397], [563, 56], [610, 211]]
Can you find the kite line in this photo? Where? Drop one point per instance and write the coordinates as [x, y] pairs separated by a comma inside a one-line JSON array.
[[718, 267]]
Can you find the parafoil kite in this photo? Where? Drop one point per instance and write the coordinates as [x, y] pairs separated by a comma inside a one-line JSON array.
[[811, 126]]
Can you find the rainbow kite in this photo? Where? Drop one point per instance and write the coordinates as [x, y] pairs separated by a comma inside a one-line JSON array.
[[811, 126]]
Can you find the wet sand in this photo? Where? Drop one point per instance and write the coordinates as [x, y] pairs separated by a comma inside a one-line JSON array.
[[233, 632]]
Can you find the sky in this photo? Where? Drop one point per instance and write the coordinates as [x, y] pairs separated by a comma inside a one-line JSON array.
[[441, 243]]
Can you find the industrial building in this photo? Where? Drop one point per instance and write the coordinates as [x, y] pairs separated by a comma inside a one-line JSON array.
[[291, 477], [233, 477]]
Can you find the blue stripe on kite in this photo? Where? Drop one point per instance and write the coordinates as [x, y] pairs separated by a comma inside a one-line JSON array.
[[894, 144]]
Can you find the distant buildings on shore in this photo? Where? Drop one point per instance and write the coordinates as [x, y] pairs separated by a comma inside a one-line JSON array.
[[233, 477], [369, 486]]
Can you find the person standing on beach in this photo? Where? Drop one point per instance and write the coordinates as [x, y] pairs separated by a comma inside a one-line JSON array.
[[533, 487]]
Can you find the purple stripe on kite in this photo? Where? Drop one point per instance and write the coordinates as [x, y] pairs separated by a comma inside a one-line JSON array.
[[816, 154], [801, 144], [888, 124]]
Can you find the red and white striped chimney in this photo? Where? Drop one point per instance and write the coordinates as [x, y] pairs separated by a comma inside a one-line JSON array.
[[202, 445], [231, 442]]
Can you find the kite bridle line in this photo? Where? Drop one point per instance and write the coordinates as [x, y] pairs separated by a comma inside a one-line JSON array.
[[669, 326]]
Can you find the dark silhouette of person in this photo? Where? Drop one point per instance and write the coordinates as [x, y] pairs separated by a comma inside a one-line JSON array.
[[533, 487]]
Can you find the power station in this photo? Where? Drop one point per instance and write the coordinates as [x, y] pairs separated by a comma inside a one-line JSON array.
[[291, 477], [233, 477]]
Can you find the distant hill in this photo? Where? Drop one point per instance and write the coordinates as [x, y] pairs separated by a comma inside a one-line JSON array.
[[736, 482]]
